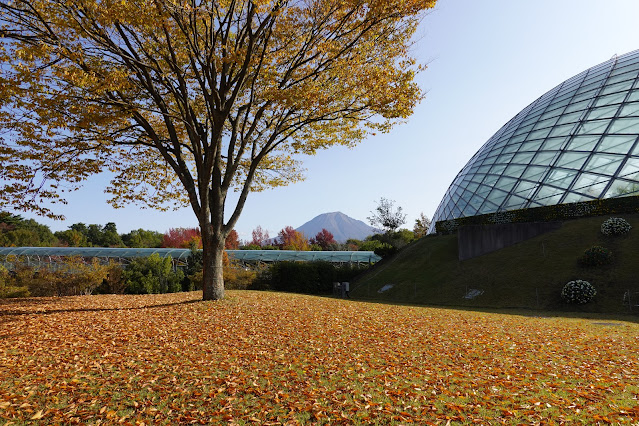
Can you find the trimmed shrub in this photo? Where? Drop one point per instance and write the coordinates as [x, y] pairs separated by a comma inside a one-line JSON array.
[[8, 292], [153, 274], [578, 292], [73, 277], [115, 278], [615, 226], [596, 256], [8, 287], [194, 281], [45, 282], [193, 271], [237, 278], [386, 250], [114, 282]]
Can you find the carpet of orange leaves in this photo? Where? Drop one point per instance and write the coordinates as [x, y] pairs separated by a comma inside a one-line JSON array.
[[272, 358]]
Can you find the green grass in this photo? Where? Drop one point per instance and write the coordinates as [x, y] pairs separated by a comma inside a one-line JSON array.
[[527, 275]]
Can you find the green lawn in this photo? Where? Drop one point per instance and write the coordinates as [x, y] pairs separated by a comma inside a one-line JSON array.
[[275, 358]]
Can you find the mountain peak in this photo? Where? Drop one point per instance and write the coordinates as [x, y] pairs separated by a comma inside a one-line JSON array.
[[340, 225]]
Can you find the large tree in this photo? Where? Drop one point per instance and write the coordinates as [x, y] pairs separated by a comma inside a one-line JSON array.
[[187, 100]]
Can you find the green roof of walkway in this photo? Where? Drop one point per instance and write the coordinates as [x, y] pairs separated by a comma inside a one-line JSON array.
[[282, 255], [94, 252], [240, 255]]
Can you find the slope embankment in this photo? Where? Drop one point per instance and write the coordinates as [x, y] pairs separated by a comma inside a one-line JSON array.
[[527, 275]]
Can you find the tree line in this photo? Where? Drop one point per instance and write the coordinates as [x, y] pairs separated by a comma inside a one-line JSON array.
[[15, 231]]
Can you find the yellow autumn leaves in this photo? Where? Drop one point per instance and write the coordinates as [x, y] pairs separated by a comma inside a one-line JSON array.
[[241, 88], [292, 359]]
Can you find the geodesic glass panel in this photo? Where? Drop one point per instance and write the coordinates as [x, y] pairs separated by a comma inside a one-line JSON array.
[[577, 142]]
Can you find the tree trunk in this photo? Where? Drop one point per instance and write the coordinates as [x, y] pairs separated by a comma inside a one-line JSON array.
[[212, 265]]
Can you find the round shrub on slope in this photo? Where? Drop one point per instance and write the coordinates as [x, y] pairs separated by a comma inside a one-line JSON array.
[[596, 256], [615, 226], [578, 291]]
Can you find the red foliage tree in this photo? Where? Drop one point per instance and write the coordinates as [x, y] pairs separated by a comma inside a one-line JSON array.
[[290, 239], [187, 237], [260, 236], [324, 239], [232, 242], [182, 238]]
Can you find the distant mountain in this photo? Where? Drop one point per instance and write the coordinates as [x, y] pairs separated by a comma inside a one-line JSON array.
[[341, 226]]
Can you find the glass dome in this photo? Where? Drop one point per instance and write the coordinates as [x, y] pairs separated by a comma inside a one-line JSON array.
[[577, 142]]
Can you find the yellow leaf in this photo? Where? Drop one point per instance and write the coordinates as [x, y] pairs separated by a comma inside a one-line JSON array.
[[38, 415]]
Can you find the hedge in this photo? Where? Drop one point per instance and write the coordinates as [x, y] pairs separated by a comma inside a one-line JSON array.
[[314, 277]]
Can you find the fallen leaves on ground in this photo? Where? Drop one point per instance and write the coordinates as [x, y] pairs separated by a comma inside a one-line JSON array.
[[273, 358]]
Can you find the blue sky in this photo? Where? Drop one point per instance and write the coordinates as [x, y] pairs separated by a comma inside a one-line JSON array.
[[486, 61]]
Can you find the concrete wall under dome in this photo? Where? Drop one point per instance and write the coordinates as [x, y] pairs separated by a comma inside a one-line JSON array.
[[475, 240]]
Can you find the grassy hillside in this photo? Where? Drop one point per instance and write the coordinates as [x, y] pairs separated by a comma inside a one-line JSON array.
[[530, 274]]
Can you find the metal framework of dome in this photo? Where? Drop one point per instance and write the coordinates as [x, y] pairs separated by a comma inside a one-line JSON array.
[[577, 142]]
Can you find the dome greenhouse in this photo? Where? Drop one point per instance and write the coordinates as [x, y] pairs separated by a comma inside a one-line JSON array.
[[577, 142]]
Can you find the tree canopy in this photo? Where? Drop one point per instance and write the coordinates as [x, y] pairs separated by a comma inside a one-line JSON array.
[[422, 223], [386, 216], [185, 101], [15, 231], [324, 239], [290, 239]]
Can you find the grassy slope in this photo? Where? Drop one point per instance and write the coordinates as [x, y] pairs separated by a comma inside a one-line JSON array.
[[527, 275]]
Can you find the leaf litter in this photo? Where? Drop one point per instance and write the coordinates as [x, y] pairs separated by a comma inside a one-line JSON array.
[[275, 358]]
